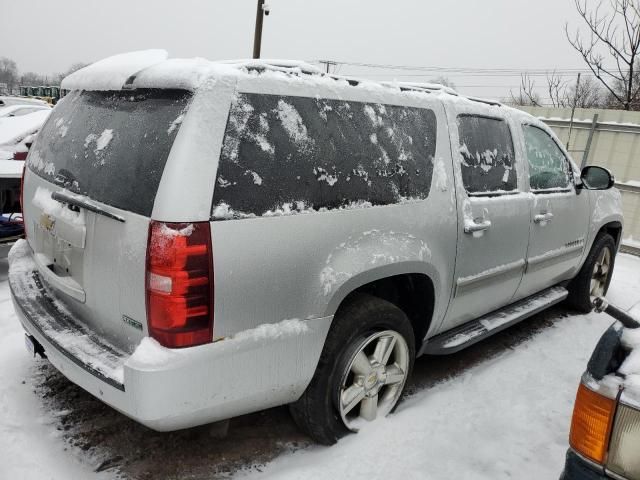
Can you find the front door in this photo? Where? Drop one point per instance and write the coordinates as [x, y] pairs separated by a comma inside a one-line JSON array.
[[559, 216], [493, 217]]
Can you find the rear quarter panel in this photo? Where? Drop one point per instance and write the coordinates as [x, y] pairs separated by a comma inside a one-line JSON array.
[[268, 269]]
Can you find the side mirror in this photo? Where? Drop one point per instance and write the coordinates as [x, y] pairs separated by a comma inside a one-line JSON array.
[[596, 178]]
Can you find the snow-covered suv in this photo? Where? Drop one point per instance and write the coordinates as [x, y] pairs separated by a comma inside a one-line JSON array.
[[206, 240]]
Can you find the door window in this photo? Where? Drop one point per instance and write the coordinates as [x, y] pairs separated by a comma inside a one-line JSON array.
[[548, 167], [487, 155]]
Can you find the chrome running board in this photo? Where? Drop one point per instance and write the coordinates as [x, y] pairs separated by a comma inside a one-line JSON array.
[[474, 331]]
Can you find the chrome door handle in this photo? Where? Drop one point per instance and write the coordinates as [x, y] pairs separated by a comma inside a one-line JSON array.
[[543, 217], [472, 227]]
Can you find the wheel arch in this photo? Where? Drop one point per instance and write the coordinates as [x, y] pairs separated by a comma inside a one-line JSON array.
[[413, 290], [614, 229]]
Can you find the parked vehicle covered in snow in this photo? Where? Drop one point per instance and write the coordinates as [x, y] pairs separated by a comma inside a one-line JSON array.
[[605, 428], [206, 240]]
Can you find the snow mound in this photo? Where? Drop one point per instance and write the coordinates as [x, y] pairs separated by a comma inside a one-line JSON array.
[[149, 354], [111, 73]]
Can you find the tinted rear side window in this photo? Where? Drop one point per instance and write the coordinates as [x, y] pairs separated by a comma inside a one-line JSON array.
[[110, 146], [289, 154], [487, 154]]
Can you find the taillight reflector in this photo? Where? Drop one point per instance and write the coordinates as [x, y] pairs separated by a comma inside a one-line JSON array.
[[24, 170], [179, 283], [20, 155], [591, 424]]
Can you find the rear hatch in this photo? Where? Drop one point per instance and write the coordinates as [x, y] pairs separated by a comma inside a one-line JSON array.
[[92, 179]]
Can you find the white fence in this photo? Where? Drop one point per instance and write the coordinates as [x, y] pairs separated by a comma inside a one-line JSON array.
[[610, 138]]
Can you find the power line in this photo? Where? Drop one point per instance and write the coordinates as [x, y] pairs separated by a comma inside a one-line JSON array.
[[435, 68], [465, 70]]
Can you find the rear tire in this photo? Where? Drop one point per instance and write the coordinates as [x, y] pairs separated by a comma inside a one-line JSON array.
[[367, 357], [595, 275]]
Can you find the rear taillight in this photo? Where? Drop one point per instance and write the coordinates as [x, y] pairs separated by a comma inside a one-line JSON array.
[[24, 170], [591, 424], [179, 283], [20, 155]]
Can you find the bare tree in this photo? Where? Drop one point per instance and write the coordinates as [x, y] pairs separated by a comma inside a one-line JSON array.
[[526, 97], [563, 93], [74, 67], [617, 33], [588, 95], [8, 72], [557, 89], [33, 79]]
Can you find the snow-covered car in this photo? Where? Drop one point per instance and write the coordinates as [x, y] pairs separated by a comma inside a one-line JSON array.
[[206, 240], [16, 131], [19, 125], [19, 110], [6, 101], [605, 428]]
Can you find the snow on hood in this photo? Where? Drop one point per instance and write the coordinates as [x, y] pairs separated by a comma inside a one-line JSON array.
[[111, 73], [14, 129]]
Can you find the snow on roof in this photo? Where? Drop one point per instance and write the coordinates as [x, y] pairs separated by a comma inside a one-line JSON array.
[[14, 129], [153, 69], [111, 73]]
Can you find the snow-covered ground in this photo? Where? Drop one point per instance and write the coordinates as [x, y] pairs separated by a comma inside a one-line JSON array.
[[507, 417]]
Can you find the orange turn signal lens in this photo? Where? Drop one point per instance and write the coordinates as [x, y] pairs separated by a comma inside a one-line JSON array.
[[591, 424]]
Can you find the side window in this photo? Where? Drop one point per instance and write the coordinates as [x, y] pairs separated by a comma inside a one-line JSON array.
[[548, 167], [286, 154], [487, 154]]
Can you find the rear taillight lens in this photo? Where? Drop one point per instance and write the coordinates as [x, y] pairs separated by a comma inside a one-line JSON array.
[[20, 155], [180, 283], [591, 424], [24, 170]]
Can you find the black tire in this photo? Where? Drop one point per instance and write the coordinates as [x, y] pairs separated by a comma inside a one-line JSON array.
[[580, 287], [316, 412]]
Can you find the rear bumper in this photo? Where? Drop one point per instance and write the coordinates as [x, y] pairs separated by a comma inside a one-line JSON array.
[[576, 468], [167, 389]]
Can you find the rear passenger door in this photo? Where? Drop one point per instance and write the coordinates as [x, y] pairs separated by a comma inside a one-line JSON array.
[[559, 216], [493, 214]]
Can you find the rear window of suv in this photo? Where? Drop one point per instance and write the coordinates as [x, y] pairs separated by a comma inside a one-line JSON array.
[[110, 146], [284, 154]]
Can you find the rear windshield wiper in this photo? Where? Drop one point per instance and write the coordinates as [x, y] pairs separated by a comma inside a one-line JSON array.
[[78, 202]]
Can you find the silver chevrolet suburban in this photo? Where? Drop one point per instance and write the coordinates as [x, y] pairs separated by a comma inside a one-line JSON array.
[[205, 240]]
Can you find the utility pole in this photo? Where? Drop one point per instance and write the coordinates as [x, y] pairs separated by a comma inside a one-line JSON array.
[[328, 63], [257, 38]]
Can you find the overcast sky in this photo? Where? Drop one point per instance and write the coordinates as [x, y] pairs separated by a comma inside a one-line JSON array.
[[48, 36]]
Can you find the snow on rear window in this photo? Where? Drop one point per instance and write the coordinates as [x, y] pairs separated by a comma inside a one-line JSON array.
[[114, 145], [301, 155]]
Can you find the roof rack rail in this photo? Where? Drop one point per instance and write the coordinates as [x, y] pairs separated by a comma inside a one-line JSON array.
[[296, 67], [288, 66], [486, 101], [422, 87]]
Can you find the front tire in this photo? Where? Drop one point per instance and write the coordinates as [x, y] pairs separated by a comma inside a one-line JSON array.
[[365, 363], [595, 275]]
